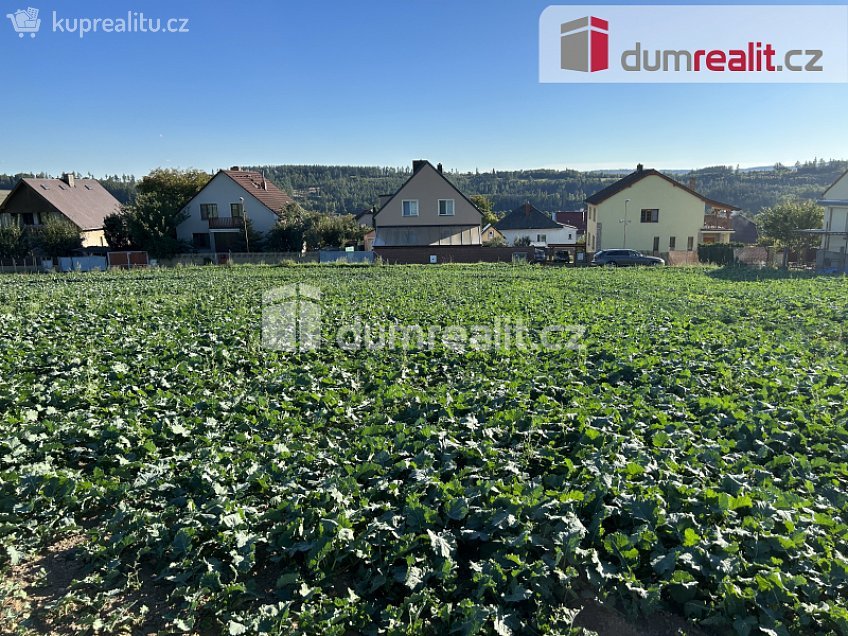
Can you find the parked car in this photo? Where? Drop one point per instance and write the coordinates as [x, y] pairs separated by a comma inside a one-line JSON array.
[[624, 258], [562, 256]]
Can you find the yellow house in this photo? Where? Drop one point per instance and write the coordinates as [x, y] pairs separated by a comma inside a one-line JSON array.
[[651, 212], [834, 246]]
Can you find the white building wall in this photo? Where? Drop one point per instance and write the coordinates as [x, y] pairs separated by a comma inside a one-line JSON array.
[[223, 191], [566, 235]]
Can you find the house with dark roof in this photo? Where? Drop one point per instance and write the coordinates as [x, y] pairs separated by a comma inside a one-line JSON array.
[[218, 214], [527, 223], [427, 210], [82, 202], [651, 212]]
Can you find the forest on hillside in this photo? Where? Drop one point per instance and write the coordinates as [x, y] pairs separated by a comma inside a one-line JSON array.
[[350, 189]]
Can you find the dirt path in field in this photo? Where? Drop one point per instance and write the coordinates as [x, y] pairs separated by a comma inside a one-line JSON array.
[[34, 597], [33, 600], [606, 622]]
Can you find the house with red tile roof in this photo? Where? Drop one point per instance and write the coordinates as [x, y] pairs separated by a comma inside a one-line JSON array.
[[218, 214], [82, 202]]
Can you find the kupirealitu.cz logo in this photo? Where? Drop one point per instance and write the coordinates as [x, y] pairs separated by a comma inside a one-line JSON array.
[[27, 22], [693, 44]]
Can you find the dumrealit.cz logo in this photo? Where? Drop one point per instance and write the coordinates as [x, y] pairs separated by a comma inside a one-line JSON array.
[[28, 22], [710, 44]]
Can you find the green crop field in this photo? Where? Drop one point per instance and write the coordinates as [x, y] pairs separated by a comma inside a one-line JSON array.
[[162, 472]]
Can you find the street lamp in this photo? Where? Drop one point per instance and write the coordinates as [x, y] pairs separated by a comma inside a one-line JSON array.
[[625, 222], [244, 222]]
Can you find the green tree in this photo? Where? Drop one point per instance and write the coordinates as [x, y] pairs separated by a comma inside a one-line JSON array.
[[153, 217], [484, 204], [13, 242], [521, 241], [117, 231], [289, 234], [57, 237], [783, 223]]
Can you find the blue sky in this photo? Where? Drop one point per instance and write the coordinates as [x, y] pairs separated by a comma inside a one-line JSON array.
[[373, 82]]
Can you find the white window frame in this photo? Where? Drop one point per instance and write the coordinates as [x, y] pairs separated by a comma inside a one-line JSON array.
[[541, 238], [452, 207], [403, 207]]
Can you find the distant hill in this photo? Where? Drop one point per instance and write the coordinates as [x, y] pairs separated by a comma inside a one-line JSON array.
[[349, 189], [338, 189]]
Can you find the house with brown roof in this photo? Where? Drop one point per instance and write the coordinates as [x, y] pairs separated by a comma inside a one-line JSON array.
[[651, 212], [427, 210], [218, 214], [529, 224], [82, 202]]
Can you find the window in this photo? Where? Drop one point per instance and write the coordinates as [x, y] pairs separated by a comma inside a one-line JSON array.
[[672, 242], [541, 238], [656, 243], [28, 218], [650, 216], [200, 240], [690, 243], [410, 207], [491, 234], [445, 207], [208, 211], [236, 210]]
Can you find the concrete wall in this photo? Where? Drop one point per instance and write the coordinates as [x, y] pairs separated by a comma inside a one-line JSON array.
[[681, 215], [470, 254]]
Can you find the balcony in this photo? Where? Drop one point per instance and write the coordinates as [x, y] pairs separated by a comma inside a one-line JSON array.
[[226, 223], [717, 222]]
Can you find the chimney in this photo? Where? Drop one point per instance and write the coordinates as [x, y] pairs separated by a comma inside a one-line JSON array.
[[439, 168], [236, 168], [692, 183], [418, 164], [639, 167], [68, 178]]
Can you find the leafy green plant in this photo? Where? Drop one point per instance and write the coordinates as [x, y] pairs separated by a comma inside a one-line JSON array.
[[690, 458]]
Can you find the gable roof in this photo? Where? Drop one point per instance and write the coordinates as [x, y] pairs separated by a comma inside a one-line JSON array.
[[257, 185], [417, 167], [85, 204], [526, 217], [834, 184], [635, 177]]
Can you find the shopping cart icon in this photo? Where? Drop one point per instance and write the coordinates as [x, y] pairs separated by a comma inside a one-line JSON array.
[[25, 21]]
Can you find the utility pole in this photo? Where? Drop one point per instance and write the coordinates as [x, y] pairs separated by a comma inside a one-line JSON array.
[[244, 222], [626, 222]]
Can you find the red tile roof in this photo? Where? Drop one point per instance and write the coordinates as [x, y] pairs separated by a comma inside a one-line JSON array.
[[573, 218], [266, 192]]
